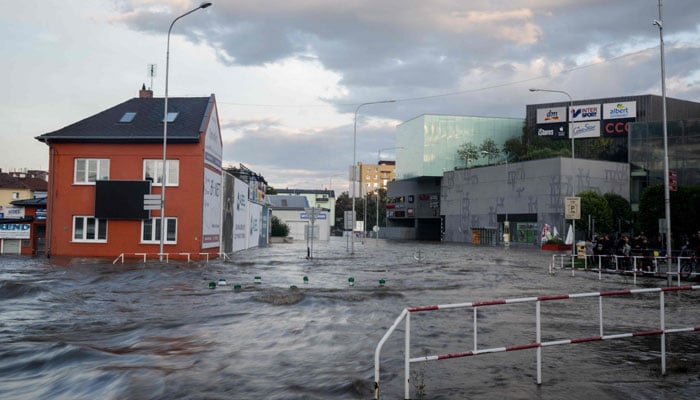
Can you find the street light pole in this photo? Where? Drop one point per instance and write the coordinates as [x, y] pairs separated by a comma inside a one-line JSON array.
[[165, 130], [667, 194], [573, 160], [353, 176]]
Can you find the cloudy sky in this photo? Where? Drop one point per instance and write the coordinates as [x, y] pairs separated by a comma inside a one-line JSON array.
[[289, 75]]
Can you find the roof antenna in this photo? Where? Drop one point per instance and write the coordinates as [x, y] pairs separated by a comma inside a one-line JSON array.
[[151, 71]]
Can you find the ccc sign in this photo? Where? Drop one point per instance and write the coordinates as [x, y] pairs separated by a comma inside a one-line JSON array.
[[616, 127]]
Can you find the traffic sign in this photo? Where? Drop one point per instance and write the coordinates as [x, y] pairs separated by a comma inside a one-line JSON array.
[[572, 206]]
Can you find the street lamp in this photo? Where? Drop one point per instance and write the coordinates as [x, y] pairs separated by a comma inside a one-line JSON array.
[[573, 160], [353, 176], [667, 195], [165, 130], [379, 159], [506, 225]]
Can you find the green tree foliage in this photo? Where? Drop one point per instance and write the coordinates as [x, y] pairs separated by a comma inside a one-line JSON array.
[[621, 211], [597, 207], [514, 149], [270, 190], [278, 228], [468, 152], [489, 149]]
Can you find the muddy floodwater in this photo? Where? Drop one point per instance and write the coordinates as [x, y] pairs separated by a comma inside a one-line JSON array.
[[87, 329]]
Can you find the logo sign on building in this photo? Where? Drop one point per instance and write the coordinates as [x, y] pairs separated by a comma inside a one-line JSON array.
[[616, 127], [551, 115], [587, 129], [589, 112], [14, 231], [555, 131], [624, 109]]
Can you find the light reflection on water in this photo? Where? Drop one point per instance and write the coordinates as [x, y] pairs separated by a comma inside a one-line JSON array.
[[85, 329]]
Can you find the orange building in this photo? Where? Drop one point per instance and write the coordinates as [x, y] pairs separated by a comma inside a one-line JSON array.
[[102, 168]]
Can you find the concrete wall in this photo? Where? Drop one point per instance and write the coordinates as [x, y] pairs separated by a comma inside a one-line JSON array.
[[474, 198]]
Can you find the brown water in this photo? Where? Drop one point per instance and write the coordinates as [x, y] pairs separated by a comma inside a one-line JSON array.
[[85, 329]]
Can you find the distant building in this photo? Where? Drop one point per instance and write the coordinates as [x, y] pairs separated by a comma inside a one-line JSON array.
[[295, 212], [376, 176], [315, 198], [22, 212]]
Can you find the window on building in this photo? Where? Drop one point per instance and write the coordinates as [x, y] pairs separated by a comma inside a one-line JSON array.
[[89, 170], [150, 230], [15, 195], [172, 115], [153, 171], [127, 117], [89, 229]]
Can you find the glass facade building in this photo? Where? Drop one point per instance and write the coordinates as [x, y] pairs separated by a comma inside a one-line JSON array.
[[646, 154], [428, 144]]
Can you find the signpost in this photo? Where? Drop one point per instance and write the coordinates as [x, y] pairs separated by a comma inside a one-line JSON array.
[[572, 211]]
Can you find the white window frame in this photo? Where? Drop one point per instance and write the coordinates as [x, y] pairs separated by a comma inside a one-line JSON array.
[[86, 222], [93, 169], [150, 230], [153, 170]]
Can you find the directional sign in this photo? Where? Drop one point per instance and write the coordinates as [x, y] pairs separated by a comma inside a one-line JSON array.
[[572, 206]]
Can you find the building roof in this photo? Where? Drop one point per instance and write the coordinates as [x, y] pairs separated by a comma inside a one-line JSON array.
[[288, 192], [8, 181], [36, 202], [146, 125]]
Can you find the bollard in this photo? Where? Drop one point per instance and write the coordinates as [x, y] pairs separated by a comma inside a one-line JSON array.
[[212, 285], [236, 287], [222, 282], [258, 279], [382, 282], [306, 279], [351, 281], [293, 287]]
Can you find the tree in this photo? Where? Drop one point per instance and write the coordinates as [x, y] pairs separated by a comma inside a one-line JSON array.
[[597, 207], [468, 152], [685, 217], [621, 211], [514, 148], [270, 190], [489, 148], [278, 228]]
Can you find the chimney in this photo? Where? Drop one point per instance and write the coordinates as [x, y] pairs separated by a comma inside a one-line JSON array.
[[145, 93]]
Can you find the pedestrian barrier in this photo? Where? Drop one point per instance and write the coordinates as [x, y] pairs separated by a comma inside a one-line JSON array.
[[538, 344], [166, 256], [655, 266]]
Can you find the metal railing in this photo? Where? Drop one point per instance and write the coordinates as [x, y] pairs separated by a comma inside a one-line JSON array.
[[656, 266], [538, 344], [166, 256]]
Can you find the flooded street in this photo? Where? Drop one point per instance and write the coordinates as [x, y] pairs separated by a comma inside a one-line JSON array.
[[81, 329]]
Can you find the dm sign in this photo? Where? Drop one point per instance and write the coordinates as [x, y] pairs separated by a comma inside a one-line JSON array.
[[14, 231]]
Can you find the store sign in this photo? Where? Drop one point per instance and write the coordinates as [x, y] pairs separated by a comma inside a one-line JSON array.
[[14, 231], [624, 109], [555, 131], [616, 127], [588, 129], [551, 115], [589, 112]]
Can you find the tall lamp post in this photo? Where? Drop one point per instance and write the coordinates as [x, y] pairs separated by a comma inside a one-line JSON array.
[[379, 159], [573, 160], [506, 226], [667, 194], [165, 130], [353, 176]]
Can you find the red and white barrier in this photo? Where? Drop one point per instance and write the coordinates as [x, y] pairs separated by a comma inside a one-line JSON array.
[[538, 345]]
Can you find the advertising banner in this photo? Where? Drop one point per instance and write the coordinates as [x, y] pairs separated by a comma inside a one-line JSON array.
[[588, 129], [551, 115], [211, 212], [14, 231], [625, 109], [228, 204], [588, 112], [213, 149], [617, 127], [240, 215], [254, 223], [555, 131]]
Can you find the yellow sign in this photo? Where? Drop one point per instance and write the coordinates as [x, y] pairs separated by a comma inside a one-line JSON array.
[[572, 208]]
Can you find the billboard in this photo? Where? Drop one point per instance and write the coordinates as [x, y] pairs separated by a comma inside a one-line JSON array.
[[556, 131], [588, 112], [240, 215], [623, 109], [14, 231], [551, 115], [121, 199], [587, 129], [213, 149], [617, 127], [211, 209]]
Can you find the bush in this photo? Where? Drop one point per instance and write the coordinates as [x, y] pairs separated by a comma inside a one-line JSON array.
[[278, 228]]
